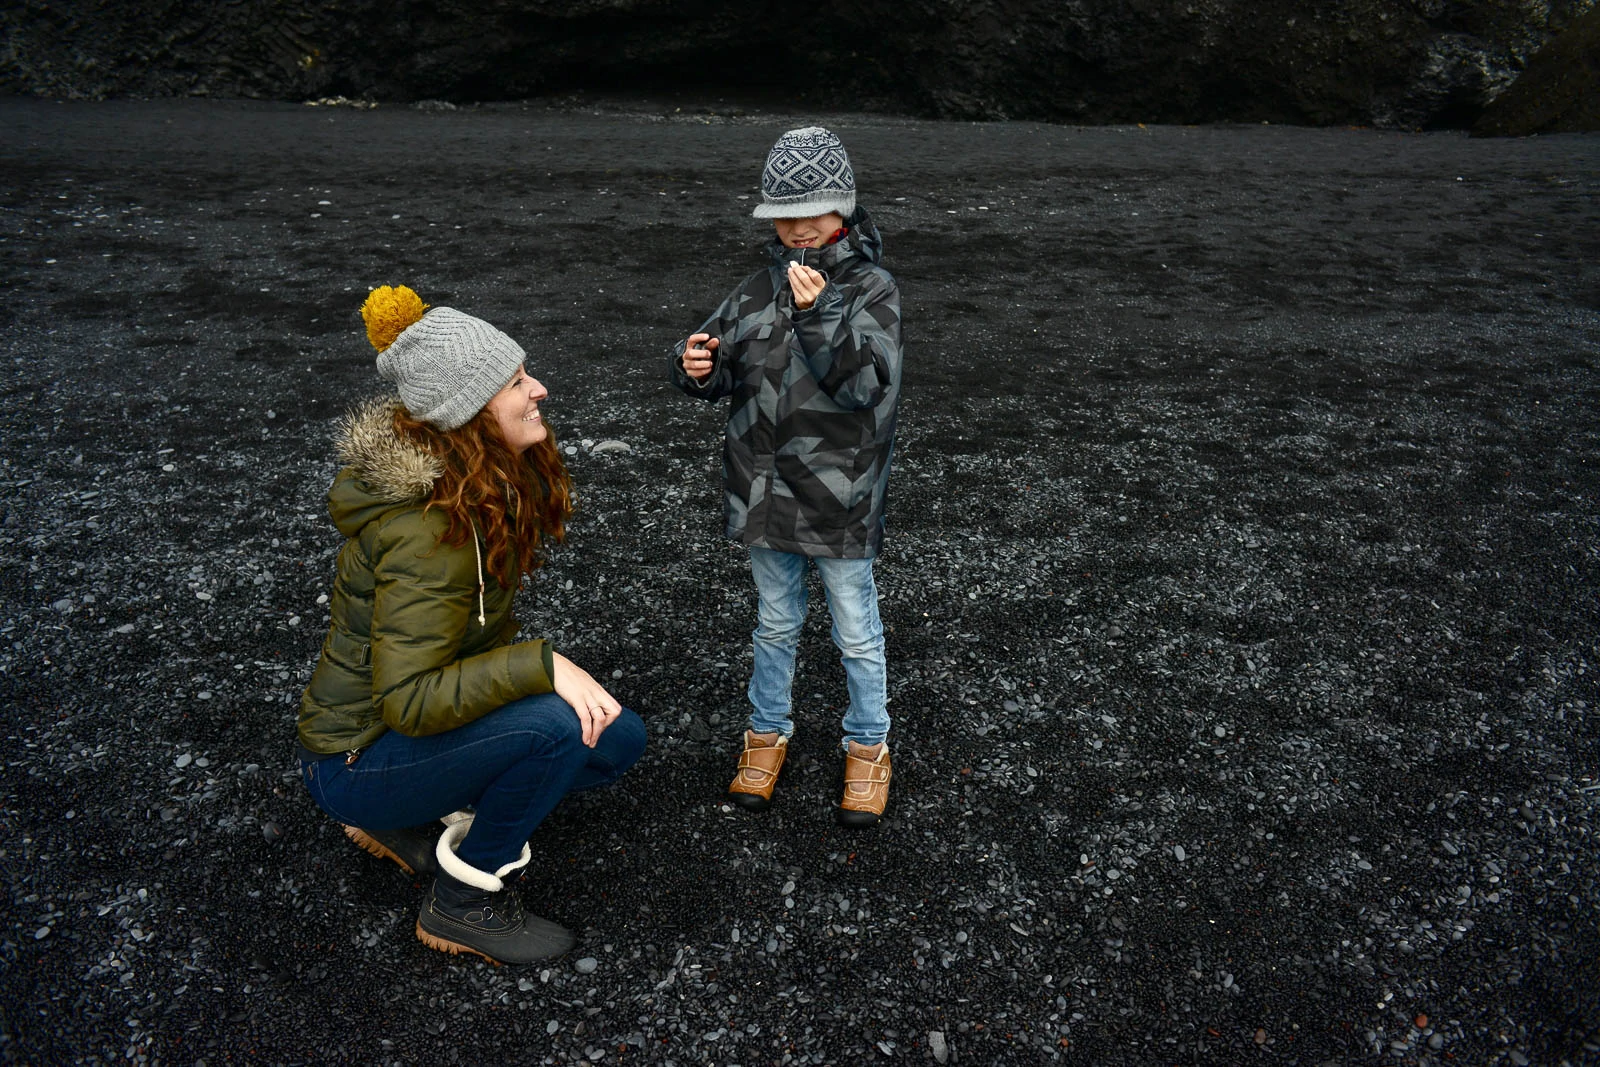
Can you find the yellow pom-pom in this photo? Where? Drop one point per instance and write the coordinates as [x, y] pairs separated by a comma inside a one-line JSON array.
[[387, 312]]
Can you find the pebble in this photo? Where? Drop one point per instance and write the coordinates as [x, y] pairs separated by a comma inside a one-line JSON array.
[[937, 1046], [613, 446], [183, 761], [271, 831], [1179, 854], [587, 965]]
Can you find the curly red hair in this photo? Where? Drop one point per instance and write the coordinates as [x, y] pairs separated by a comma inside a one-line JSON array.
[[520, 503]]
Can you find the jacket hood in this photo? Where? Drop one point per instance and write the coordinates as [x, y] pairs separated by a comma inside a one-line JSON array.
[[863, 240], [381, 471]]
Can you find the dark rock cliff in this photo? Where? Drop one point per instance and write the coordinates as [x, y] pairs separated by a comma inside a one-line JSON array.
[[1559, 92], [1416, 64]]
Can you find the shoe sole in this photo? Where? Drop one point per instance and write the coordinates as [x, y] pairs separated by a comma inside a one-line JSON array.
[[376, 848], [434, 941], [857, 820], [750, 801]]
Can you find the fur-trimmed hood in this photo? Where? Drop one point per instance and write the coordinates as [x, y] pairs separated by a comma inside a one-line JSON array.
[[380, 470]]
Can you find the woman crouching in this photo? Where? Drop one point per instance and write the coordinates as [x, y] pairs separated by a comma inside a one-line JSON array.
[[423, 702]]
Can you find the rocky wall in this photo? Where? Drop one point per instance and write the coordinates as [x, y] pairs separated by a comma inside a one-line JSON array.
[[1416, 64]]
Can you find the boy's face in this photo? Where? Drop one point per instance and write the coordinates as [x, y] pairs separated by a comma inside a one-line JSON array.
[[808, 233]]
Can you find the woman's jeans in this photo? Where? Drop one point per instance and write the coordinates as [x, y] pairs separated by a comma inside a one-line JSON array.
[[512, 766], [853, 603]]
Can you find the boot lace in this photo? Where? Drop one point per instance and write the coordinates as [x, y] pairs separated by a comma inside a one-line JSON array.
[[506, 906]]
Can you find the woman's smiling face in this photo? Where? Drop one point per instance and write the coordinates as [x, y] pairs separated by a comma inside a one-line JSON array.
[[516, 411]]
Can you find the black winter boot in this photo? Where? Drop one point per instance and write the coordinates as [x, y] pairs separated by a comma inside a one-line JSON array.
[[468, 910], [412, 847]]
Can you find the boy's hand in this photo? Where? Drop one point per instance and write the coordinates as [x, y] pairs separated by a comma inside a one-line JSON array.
[[807, 285], [696, 359]]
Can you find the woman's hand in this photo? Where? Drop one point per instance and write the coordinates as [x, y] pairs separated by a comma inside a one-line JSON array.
[[595, 707]]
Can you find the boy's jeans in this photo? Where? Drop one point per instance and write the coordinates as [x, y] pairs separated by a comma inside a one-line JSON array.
[[853, 603], [512, 766]]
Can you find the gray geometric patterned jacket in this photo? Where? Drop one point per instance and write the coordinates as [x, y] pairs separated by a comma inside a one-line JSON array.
[[805, 460]]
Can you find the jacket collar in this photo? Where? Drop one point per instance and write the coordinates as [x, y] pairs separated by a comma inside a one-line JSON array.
[[862, 241]]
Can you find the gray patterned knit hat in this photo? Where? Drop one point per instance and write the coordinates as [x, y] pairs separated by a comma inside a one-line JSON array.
[[448, 365], [807, 174]]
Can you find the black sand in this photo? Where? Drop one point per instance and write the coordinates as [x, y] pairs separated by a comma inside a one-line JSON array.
[[1241, 575]]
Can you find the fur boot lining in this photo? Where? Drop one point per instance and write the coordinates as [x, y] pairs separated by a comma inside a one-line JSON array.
[[462, 871]]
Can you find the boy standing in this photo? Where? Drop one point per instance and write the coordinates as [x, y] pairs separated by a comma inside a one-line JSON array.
[[809, 350]]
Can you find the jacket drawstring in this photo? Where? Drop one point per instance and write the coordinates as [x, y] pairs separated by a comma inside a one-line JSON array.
[[477, 555]]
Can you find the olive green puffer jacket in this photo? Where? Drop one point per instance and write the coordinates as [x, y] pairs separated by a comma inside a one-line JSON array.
[[415, 644]]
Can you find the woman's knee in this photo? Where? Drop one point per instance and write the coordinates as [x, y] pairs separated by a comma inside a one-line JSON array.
[[542, 723], [623, 742]]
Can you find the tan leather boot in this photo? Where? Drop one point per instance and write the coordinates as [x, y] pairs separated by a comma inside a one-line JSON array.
[[866, 784], [759, 765]]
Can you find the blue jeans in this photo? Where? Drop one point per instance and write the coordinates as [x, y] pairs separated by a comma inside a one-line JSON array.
[[512, 766], [781, 611]]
